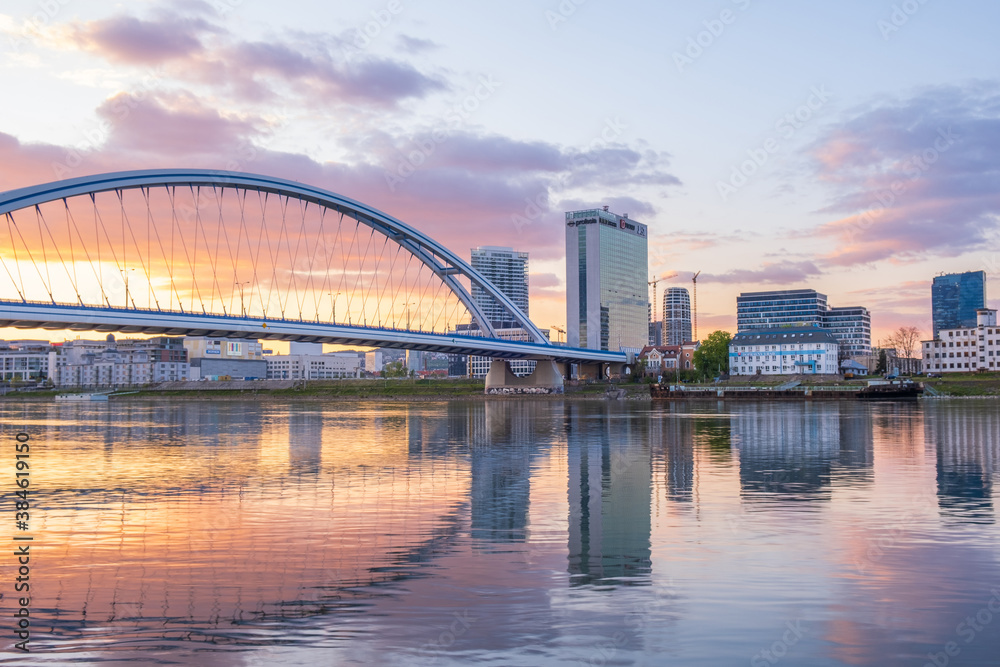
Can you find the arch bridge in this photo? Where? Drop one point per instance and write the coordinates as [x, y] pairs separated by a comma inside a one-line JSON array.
[[230, 254]]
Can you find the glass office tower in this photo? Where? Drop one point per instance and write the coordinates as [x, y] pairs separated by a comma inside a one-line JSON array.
[[607, 296], [955, 298]]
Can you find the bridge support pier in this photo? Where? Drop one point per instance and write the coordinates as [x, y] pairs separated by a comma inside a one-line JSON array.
[[546, 379]]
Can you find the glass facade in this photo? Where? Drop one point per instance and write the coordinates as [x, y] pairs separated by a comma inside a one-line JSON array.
[[607, 295], [955, 297], [507, 269], [806, 307]]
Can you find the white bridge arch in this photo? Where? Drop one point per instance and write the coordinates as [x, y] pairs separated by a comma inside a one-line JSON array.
[[48, 233]]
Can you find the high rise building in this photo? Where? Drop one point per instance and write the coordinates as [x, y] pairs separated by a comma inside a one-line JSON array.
[[676, 316], [851, 326], [507, 269], [607, 296], [955, 298]]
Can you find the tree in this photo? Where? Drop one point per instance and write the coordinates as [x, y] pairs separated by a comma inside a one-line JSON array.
[[882, 362], [712, 357], [394, 369], [904, 341]]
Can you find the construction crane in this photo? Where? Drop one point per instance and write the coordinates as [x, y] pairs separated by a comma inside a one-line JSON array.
[[560, 330], [653, 283], [694, 280]]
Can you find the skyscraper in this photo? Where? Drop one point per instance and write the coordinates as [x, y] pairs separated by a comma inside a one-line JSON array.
[[955, 297], [507, 269], [607, 296], [676, 316]]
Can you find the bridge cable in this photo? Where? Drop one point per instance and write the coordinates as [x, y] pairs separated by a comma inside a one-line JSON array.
[[142, 260], [376, 274], [295, 257], [72, 254], [172, 194], [16, 262], [303, 210], [262, 202], [326, 255], [361, 269], [114, 255], [45, 260], [146, 191], [347, 258], [389, 274], [219, 230], [212, 256], [83, 244], [31, 257]]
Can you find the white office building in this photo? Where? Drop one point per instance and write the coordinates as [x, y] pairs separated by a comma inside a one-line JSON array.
[[676, 316], [330, 366], [786, 351], [965, 349]]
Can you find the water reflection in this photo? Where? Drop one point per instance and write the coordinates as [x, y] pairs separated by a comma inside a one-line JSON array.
[[511, 532]]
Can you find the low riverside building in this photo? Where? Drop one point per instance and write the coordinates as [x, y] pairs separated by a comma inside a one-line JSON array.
[[784, 351], [329, 366], [965, 349], [126, 363], [236, 358], [26, 360], [659, 359]]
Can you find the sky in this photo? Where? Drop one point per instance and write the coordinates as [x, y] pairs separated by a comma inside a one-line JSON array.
[[849, 147]]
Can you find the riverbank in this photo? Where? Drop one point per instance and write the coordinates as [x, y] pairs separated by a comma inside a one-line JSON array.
[[351, 390]]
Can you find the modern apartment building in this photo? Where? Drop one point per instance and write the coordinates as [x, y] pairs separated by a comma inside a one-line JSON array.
[[607, 298], [806, 308], [676, 316], [507, 269], [955, 298]]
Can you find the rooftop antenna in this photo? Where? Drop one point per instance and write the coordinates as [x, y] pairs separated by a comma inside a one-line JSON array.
[[694, 280]]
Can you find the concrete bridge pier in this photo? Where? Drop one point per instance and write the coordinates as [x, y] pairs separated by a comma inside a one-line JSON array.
[[545, 379]]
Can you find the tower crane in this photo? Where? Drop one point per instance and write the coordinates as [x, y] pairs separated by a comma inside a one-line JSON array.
[[694, 281]]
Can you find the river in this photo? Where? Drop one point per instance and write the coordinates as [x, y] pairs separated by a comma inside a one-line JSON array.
[[507, 532]]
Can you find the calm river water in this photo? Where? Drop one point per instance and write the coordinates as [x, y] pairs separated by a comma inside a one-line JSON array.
[[508, 533]]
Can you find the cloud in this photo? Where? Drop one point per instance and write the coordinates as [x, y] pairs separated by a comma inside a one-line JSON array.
[[415, 45], [129, 40], [914, 178], [778, 273], [313, 69]]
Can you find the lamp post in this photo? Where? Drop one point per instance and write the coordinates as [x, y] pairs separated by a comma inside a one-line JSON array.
[[333, 306], [243, 309], [124, 273]]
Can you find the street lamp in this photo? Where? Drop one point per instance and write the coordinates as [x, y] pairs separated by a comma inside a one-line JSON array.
[[124, 273], [412, 303], [333, 306], [242, 304]]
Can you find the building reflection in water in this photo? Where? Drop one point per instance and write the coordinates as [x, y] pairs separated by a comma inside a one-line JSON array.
[[610, 481], [795, 451], [966, 439]]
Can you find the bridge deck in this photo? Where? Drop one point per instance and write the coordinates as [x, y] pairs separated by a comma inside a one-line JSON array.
[[35, 315]]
